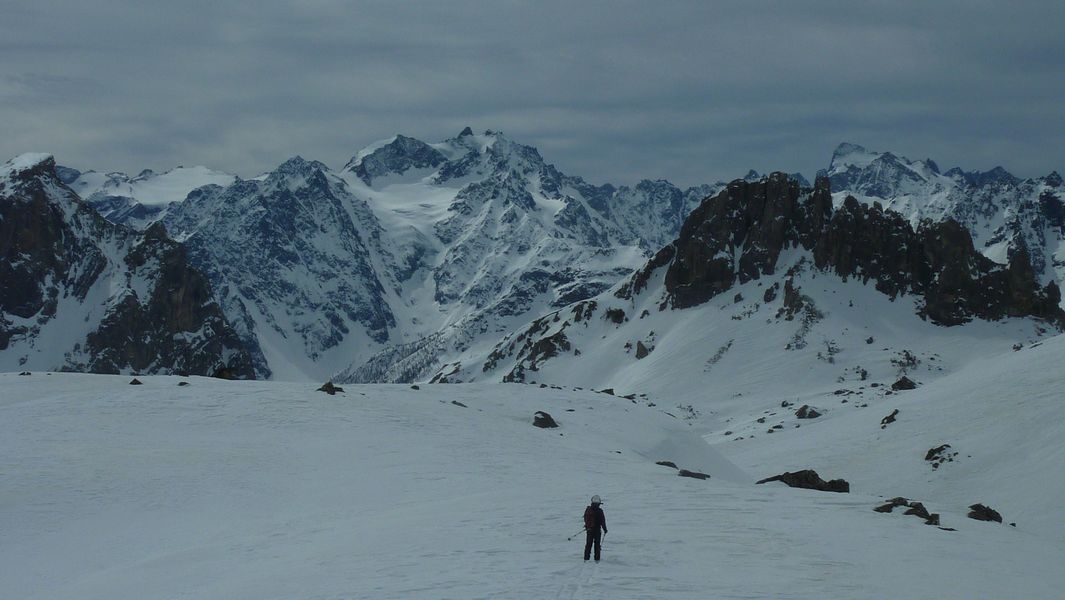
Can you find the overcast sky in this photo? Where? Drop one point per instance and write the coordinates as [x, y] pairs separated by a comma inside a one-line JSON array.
[[612, 91]]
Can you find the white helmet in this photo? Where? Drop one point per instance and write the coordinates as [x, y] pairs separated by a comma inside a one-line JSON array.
[[596, 500]]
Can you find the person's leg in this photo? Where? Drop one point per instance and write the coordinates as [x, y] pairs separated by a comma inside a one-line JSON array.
[[598, 543], [588, 545]]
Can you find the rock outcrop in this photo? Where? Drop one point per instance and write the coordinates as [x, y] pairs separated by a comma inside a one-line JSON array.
[[108, 299], [739, 235], [810, 480]]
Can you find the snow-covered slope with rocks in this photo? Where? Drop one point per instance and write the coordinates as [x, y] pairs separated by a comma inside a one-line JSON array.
[[1005, 214], [271, 490], [771, 270], [81, 293]]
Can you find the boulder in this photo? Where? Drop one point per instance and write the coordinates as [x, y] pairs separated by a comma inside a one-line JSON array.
[[329, 388], [544, 420], [136, 381], [25, 374], [641, 350], [807, 412], [984, 513], [810, 480], [182, 383], [904, 383], [667, 463], [457, 403]]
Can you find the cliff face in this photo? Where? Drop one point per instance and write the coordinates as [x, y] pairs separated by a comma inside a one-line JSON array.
[[81, 293], [740, 234]]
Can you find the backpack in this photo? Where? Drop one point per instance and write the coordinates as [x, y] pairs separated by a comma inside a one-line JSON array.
[[590, 518]]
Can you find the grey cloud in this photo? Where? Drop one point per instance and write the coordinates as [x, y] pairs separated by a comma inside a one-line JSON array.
[[613, 91]]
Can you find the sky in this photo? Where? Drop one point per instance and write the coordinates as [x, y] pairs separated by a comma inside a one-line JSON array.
[[612, 91]]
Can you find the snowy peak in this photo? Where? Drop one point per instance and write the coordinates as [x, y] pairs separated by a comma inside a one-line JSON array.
[[1002, 212], [995, 176], [29, 161], [397, 157], [81, 293], [298, 266], [880, 174]]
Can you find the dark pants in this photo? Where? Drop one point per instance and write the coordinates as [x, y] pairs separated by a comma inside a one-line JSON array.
[[596, 536]]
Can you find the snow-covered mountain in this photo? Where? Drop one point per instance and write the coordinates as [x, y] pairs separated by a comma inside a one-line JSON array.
[[141, 200], [411, 249], [489, 234], [770, 271], [416, 257], [81, 293], [1003, 213]]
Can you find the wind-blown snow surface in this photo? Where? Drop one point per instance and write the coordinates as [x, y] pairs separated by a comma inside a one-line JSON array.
[[270, 490]]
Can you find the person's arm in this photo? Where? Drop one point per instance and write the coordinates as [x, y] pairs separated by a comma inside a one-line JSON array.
[[602, 519]]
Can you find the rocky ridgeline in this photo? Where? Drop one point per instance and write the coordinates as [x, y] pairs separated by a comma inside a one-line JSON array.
[[756, 222], [106, 298], [740, 235]]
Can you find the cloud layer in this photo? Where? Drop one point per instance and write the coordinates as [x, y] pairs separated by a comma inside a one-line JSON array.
[[612, 91]]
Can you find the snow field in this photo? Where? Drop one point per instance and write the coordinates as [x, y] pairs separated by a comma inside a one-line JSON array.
[[271, 490]]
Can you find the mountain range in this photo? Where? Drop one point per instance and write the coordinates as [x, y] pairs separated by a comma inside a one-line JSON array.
[[416, 259]]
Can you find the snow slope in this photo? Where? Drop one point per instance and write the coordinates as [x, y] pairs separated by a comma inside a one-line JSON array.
[[271, 490]]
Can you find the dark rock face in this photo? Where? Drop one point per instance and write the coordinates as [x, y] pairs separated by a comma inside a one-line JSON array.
[[904, 383], [398, 156], [159, 315], [544, 420], [984, 513], [810, 480], [756, 221], [807, 412]]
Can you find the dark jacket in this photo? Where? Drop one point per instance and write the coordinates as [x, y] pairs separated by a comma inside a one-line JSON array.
[[597, 519]]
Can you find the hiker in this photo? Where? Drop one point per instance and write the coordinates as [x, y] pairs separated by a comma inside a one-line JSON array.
[[594, 519]]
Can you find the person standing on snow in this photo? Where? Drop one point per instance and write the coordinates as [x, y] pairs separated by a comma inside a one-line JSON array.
[[594, 519]]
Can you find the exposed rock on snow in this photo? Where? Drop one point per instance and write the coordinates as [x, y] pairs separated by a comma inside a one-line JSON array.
[[888, 420], [329, 388], [810, 480], [903, 383], [807, 412], [984, 513], [939, 455], [692, 474], [544, 420]]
